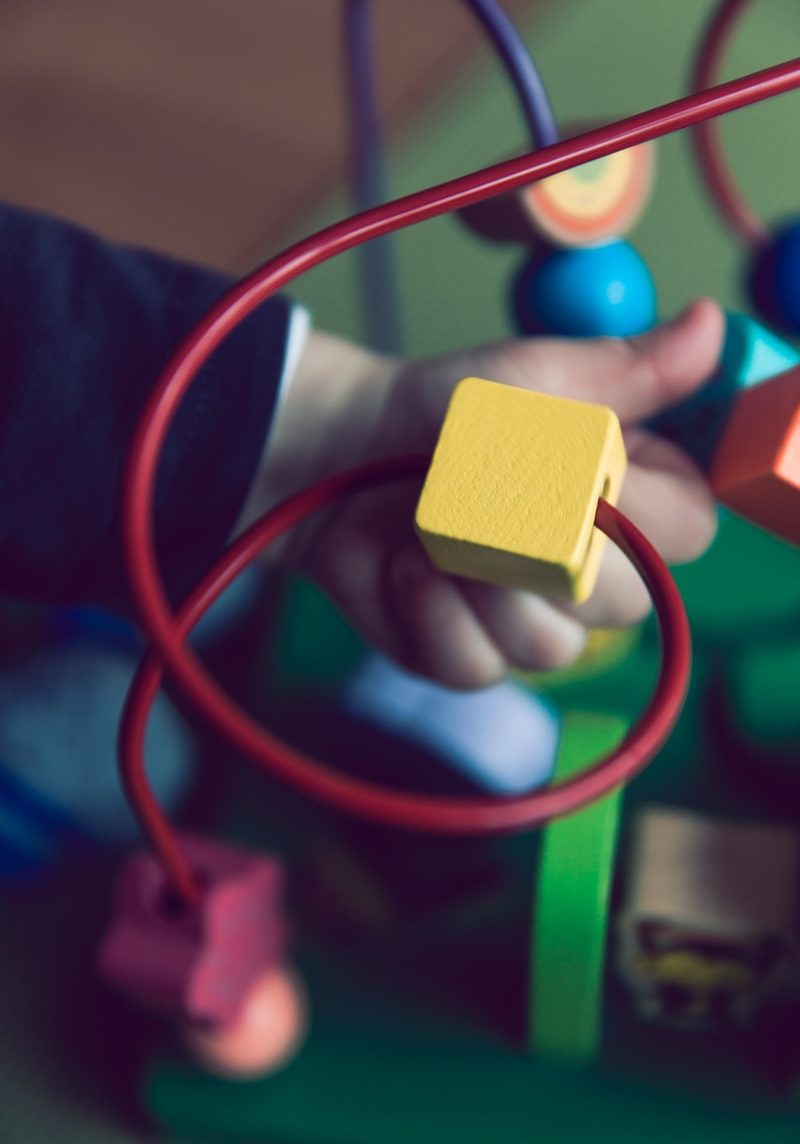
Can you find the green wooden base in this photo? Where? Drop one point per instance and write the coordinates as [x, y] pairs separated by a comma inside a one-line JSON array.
[[571, 904]]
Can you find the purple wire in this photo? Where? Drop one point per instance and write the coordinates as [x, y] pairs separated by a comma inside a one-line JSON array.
[[521, 69], [381, 302], [379, 281]]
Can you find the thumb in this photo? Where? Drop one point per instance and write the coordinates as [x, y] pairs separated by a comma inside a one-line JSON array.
[[636, 377]]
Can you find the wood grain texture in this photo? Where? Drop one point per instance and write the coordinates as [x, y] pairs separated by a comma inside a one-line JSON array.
[[512, 490]]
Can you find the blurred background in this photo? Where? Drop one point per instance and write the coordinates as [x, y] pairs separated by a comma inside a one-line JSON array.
[[204, 129], [216, 131]]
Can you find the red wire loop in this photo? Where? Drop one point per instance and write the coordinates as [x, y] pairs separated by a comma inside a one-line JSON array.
[[168, 632], [708, 144], [435, 815]]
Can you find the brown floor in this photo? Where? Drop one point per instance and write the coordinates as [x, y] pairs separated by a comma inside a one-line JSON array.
[[205, 128]]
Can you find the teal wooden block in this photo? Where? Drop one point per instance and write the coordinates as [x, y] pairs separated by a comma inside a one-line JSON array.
[[750, 354]]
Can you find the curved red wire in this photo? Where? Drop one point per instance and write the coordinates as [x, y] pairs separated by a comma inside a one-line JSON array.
[[166, 634], [708, 144], [436, 815]]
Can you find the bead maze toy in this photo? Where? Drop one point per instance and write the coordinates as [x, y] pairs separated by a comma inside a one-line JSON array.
[[199, 911], [467, 548]]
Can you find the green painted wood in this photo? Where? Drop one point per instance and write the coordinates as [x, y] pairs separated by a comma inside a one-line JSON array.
[[572, 902]]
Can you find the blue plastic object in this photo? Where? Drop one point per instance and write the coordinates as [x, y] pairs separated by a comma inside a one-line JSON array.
[[775, 278], [59, 710], [503, 739], [32, 829], [81, 625], [594, 291], [750, 354]]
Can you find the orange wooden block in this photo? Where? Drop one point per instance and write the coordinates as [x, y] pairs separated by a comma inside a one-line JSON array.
[[756, 468]]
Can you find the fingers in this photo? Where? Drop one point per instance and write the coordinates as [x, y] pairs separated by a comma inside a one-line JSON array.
[[532, 633], [466, 634], [349, 557], [461, 633], [667, 497], [636, 377], [619, 597], [639, 376], [446, 640]]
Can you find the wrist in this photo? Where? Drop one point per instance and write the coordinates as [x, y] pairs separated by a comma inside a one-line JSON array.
[[327, 412]]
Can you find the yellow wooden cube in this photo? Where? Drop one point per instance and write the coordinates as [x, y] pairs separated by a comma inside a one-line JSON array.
[[512, 489]]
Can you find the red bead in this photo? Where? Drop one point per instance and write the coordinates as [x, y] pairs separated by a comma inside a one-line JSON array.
[[197, 962]]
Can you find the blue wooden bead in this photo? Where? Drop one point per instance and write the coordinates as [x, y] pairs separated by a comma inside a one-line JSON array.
[[775, 278], [603, 290]]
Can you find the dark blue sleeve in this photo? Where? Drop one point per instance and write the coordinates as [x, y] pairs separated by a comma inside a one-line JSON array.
[[85, 329]]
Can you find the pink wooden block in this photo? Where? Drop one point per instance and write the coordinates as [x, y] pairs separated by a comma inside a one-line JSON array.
[[196, 963]]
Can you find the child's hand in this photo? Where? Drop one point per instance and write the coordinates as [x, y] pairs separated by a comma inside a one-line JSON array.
[[346, 406]]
